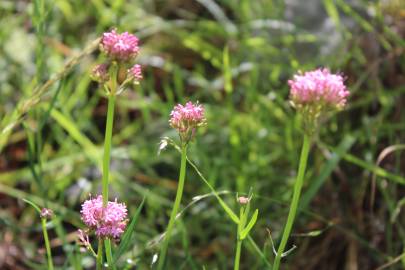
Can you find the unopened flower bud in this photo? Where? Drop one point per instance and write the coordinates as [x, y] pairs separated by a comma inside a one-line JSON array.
[[135, 74], [83, 238], [46, 213], [100, 73], [243, 200]]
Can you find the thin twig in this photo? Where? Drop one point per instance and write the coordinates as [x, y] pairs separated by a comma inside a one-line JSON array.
[[393, 261]]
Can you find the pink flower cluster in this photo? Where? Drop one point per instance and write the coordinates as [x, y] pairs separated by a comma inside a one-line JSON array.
[[121, 47], [318, 87], [135, 73], [107, 222], [186, 119]]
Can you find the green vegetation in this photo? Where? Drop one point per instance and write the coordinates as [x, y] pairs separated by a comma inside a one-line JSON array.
[[235, 58]]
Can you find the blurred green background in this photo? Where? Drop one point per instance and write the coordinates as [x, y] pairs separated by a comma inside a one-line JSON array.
[[235, 57]]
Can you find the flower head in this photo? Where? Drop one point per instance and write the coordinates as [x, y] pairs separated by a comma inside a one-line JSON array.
[[186, 119], [109, 221], [318, 87], [120, 47], [135, 73], [315, 92], [46, 213]]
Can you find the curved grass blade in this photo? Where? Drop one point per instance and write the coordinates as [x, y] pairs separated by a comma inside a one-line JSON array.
[[126, 238], [36, 207], [250, 225]]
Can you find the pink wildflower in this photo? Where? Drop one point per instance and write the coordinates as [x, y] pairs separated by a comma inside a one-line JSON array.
[[318, 87], [135, 73], [186, 119], [107, 222], [120, 47]]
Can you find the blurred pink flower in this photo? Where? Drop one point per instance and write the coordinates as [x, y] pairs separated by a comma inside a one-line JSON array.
[[318, 87], [107, 222], [100, 73], [135, 73], [186, 119], [121, 47]]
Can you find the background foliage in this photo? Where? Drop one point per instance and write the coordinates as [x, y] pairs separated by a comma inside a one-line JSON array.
[[235, 57]]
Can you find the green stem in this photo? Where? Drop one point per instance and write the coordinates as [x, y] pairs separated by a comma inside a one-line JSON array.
[[107, 147], [237, 255], [108, 253], [294, 202], [47, 245], [175, 209], [99, 261]]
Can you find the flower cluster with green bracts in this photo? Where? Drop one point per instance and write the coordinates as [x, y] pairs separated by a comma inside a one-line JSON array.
[[118, 72]]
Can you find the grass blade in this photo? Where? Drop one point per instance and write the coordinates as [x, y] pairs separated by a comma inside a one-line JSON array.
[[250, 225], [126, 238], [36, 207]]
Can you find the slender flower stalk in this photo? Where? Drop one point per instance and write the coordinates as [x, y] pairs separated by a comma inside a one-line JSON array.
[[185, 119], [244, 227], [176, 206], [99, 260], [107, 147], [237, 254], [45, 214], [313, 94], [294, 202]]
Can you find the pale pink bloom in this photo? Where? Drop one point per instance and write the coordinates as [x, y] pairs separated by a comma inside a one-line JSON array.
[[135, 73], [186, 119], [318, 87], [121, 47], [189, 115], [107, 222]]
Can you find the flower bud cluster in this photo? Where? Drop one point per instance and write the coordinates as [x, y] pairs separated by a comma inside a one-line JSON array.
[[121, 51], [186, 119]]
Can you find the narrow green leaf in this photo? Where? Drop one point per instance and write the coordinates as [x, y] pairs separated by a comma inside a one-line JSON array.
[[36, 207], [126, 238], [250, 225], [337, 154], [228, 210]]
